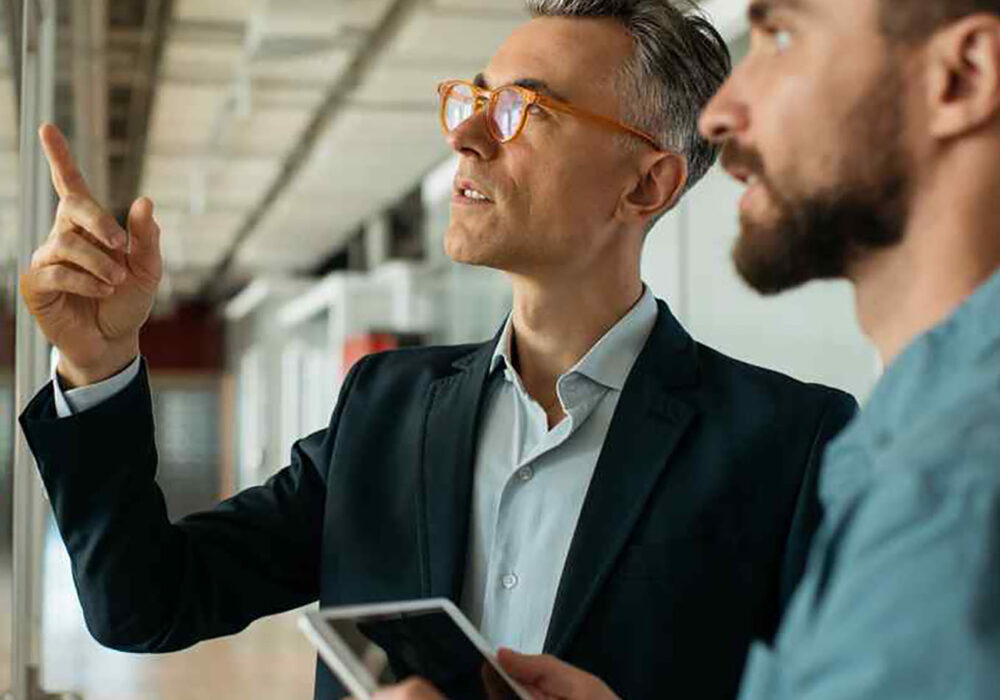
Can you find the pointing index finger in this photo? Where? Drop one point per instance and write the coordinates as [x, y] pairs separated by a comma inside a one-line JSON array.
[[66, 177]]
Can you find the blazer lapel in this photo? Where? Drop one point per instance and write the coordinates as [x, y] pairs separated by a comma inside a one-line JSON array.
[[450, 434], [647, 427]]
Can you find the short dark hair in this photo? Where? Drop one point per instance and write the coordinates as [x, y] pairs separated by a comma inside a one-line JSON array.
[[680, 62], [913, 20]]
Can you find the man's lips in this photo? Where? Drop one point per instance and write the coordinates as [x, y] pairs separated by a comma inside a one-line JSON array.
[[755, 195], [468, 192], [741, 174], [742, 163]]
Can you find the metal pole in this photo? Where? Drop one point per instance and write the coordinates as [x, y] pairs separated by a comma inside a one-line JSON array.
[[38, 93]]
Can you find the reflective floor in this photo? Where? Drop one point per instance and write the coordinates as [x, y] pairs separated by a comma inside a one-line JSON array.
[[271, 659]]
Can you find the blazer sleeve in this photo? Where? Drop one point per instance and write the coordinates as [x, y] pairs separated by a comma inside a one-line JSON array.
[[839, 410], [149, 585]]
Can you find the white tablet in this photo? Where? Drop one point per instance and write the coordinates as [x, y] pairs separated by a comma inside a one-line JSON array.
[[369, 646]]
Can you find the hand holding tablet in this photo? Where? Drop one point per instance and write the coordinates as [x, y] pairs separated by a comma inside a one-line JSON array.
[[374, 645]]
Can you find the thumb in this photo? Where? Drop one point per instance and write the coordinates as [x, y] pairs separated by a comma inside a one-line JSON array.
[[144, 235]]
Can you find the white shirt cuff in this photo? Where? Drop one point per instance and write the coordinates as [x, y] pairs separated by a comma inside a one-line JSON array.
[[84, 398]]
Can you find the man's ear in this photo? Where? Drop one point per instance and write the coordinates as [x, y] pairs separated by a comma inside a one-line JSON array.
[[964, 86], [661, 182]]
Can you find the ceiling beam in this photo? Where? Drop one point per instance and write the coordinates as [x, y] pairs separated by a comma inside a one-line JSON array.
[[90, 91], [155, 24], [335, 100]]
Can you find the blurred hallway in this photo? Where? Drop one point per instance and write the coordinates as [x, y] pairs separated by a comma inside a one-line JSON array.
[[270, 659], [295, 156]]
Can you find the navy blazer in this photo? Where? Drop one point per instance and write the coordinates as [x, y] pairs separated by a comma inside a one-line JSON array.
[[693, 534]]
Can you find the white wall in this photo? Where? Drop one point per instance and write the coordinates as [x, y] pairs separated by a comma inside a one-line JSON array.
[[810, 333]]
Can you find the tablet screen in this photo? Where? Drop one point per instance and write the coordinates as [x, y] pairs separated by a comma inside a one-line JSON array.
[[425, 643]]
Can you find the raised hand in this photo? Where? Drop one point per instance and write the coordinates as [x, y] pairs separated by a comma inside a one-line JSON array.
[[89, 289]]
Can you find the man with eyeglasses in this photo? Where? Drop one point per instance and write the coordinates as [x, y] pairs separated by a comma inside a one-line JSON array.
[[868, 133], [591, 483]]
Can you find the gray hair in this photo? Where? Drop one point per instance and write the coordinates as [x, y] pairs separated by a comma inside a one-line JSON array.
[[680, 62]]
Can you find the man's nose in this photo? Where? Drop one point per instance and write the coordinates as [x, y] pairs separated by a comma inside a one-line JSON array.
[[723, 118], [472, 138]]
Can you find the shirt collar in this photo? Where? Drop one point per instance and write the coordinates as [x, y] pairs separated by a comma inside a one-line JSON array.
[[611, 359]]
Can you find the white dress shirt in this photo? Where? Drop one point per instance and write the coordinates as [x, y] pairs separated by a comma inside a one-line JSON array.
[[530, 482], [86, 397]]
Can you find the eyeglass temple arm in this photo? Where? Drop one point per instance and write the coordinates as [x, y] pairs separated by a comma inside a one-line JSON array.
[[606, 121]]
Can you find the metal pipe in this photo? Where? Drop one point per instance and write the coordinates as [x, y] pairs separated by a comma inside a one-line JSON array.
[[37, 104]]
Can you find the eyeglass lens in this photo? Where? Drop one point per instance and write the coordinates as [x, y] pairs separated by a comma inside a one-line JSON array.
[[506, 114]]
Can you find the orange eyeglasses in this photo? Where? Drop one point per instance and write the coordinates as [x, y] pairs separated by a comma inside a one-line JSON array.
[[507, 109]]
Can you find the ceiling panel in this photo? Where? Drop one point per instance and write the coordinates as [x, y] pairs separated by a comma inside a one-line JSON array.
[[183, 117], [371, 156], [322, 17], [396, 81], [196, 60], [267, 95], [362, 165], [266, 132], [435, 35], [234, 182], [196, 240], [214, 11], [298, 234], [317, 67]]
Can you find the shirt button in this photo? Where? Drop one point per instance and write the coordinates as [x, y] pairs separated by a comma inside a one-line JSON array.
[[525, 474], [509, 581]]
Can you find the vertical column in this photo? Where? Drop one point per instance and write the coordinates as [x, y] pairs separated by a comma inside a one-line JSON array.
[[37, 98]]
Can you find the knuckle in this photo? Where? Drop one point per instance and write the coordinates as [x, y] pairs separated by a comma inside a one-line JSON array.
[[104, 220], [66, 239], [70, 203]]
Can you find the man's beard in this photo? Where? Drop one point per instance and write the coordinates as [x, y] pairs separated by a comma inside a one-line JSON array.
[[821, 234]]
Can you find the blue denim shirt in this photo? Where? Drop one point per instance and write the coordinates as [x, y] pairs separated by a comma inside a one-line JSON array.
[[901, 598]]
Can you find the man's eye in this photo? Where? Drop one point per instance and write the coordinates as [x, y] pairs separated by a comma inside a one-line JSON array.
[[782, 40]]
